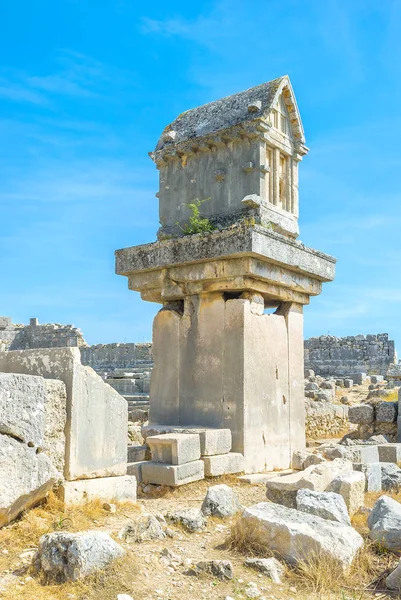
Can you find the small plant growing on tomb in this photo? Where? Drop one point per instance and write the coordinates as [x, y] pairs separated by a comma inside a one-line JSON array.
[[197, 224]]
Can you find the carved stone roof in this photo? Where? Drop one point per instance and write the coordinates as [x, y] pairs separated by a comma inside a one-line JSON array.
[[249, 105]]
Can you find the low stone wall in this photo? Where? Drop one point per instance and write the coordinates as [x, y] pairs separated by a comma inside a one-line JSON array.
[[324, 419], [374, 418], [34, 335], [329, 355], [108, 357]]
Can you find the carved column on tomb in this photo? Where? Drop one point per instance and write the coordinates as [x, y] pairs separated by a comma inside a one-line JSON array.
[[228, 340]]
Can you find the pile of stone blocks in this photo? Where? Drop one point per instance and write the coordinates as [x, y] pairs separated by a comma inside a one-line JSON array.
[[183, 455], [377, 417], [91, 450]]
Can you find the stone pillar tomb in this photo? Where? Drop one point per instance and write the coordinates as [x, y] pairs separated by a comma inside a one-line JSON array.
[[228, 340]]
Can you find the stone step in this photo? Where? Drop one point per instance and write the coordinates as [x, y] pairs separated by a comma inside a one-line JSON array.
[[223, 464], [212, 441], [174, 448], [171, 475], [136, 453]]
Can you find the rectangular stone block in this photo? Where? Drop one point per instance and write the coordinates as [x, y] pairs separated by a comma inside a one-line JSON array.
[[223, 464], [373, 475], [97, 416], [362, 454], [121, 489], [361, 414], [351, 486], [174, 448], [386, 412], [376, 378], [257, 478], [348, 383], [390, 453], [172, 475], [358, 378], [136, 453], [214, 441]]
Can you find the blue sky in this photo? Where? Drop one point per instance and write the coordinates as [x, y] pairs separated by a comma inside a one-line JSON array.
[[86, 88]]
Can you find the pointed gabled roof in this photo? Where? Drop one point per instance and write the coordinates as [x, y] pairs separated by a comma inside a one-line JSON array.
[[249, 105]]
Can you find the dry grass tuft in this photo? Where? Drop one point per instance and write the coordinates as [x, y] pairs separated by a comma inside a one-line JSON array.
[[247, 538], [319, 573]]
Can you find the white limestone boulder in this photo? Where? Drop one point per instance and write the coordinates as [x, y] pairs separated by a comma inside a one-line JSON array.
[[26, 477], [297, 536], [220, 501], [384, 523], [191, 519], [327, 505], [71, 556], [147, 527]]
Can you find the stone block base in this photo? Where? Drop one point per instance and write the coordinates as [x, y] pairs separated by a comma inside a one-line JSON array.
[[122, 489], [223, 464], [172, 475]]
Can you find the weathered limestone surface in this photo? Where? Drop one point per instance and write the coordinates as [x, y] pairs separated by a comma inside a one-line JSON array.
[[97, 420], [22, 408], [108, 489], [295, 535], [26, 477], [222, 464], [385, 523], [55, 421], [68, 556], [328, 505]]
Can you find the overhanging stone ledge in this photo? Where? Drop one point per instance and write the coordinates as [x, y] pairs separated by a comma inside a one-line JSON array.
[[234, 242]]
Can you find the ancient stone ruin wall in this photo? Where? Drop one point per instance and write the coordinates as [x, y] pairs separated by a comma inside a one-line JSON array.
[[35, 335], [108, 357], [329, 355]]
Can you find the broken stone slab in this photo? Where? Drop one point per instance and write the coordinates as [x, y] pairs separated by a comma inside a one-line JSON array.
[[391, 476], [121, 489], [390, 453], [68, 556], [373, 475], [302, 459], [348, 383], [384, 523], [327, 505], [271, 567], [351, 486], [220, 501], [172, 475], [362, 414], [313, 459], [97, 416], [223, 464], [192, 519], [297, 536], [174, 448], [143, 529], [386, 412], [376, 378], [26, 478], [283, 490]]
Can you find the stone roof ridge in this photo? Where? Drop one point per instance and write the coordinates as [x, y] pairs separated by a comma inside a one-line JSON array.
[[249, 105]]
